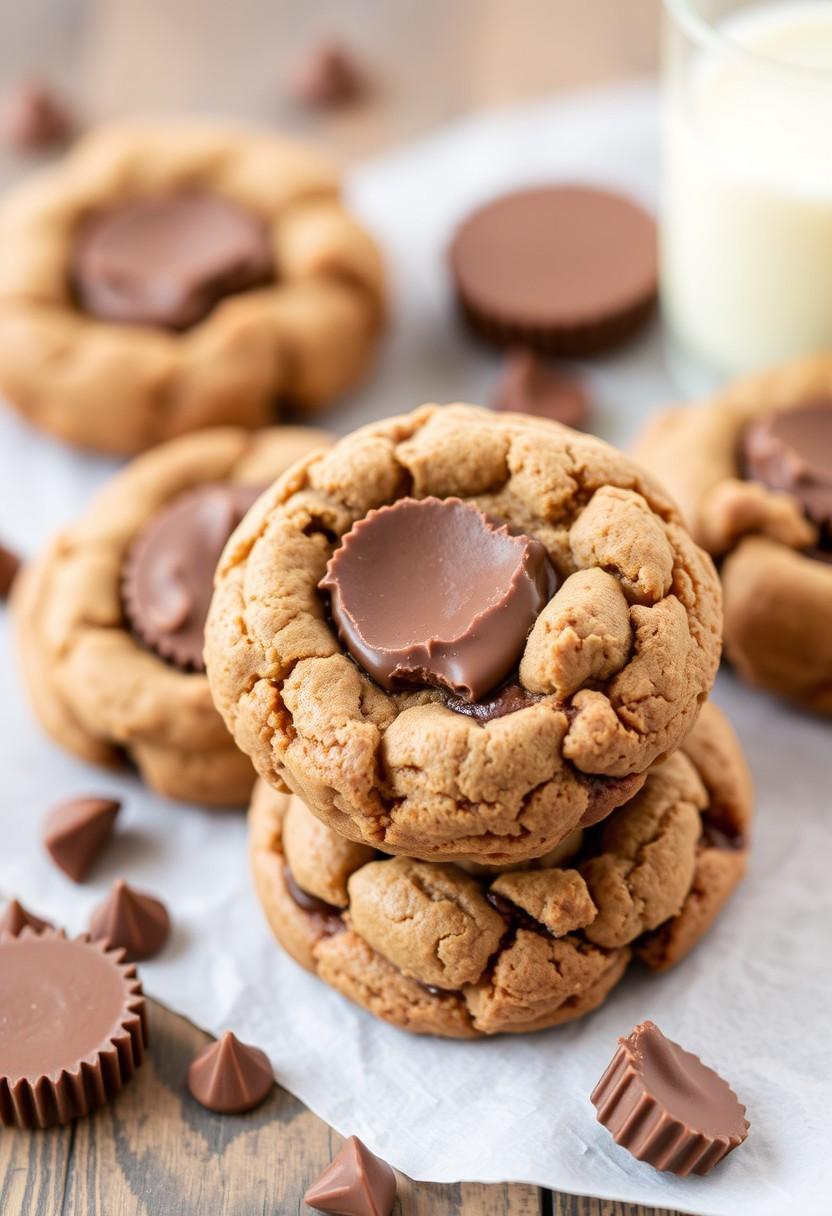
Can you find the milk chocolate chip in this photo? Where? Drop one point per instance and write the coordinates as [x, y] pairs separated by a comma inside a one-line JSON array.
[[355, 1182], [791, 450], [168, 259], [666, 1107], [168, 573], [230, 1077], [431, 591]]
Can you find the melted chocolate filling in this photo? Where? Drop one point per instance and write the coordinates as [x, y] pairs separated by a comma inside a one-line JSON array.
[[327, 915], [507, 699]]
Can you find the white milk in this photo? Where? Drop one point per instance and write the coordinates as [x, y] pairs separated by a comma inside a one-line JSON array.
[[747, 191]]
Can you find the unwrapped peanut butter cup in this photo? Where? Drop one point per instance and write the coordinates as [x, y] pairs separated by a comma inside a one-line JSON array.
[[72, 1027], [431, 591], [168, 575], [666, 1107]]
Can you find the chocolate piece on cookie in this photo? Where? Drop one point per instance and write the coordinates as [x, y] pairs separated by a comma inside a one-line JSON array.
[[666, 1107], [384, 641], [790, 450], [118, 602], [230, 1077], [73, 1028], [467, 951], [167, 260], [169, 569], [567, 270], [752, 470], [432, 592], [204, 274]]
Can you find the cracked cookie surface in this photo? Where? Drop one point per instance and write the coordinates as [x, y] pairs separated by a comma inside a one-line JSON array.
[[777, 595], [97, 690], [619, 661], [304, 337], [438, 949]]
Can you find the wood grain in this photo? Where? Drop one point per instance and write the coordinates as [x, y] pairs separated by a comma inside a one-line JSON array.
[[156, 1152]]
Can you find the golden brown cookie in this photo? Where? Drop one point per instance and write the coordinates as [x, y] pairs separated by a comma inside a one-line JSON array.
[[436, 949], [760, 512], [302, 334], [99, 690], [609, 680]]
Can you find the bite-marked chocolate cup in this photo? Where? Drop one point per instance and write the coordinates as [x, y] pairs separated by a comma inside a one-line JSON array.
[[666, 1107], [431, 591]]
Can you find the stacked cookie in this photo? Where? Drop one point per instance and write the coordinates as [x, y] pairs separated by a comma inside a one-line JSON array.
[[467, 654]]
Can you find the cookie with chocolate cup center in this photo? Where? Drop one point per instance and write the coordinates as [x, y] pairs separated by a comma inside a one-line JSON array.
[[564, 269], [461, 634], [111, 617], [752, 469], [208, 274], [463, 951]]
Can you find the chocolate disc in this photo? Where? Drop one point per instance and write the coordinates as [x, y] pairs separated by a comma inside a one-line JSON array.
[[167, 260], [72, 1027], [169, 569], [791, 450], [666, 1107], [430, 591], [566, 269]]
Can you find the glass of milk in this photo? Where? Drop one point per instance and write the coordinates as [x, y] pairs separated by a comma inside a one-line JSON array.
[[746, 231]]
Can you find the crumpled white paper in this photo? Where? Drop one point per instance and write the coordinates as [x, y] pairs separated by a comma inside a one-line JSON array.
[[754, 1000]]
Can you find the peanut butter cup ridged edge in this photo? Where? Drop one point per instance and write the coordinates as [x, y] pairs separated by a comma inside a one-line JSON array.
[[40, 1099]]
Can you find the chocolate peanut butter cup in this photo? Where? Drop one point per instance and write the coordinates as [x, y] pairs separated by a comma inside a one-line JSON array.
[[430, 591], [169, 569], [168, 259], [666, 1107], [72, 1027], [791, 450], [568, 270]]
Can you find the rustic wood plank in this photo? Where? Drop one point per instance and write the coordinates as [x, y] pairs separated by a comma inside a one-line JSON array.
[[155, 1151]]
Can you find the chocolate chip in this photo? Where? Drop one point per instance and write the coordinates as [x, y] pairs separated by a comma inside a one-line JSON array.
[[131, 919], [230, 1077], [15, 917], [9, 567], [529, 386], [33, 117], [328, 76], [75, 832], [666, 1107], [356, 1181], [327, 914]]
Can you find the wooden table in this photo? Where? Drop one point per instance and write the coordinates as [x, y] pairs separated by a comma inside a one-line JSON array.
[[154, 1152]]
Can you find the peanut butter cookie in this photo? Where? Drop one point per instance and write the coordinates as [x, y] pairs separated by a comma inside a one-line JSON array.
[[171, 276], [441, 949], [111, 616], [752, 471], [539, 627]]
